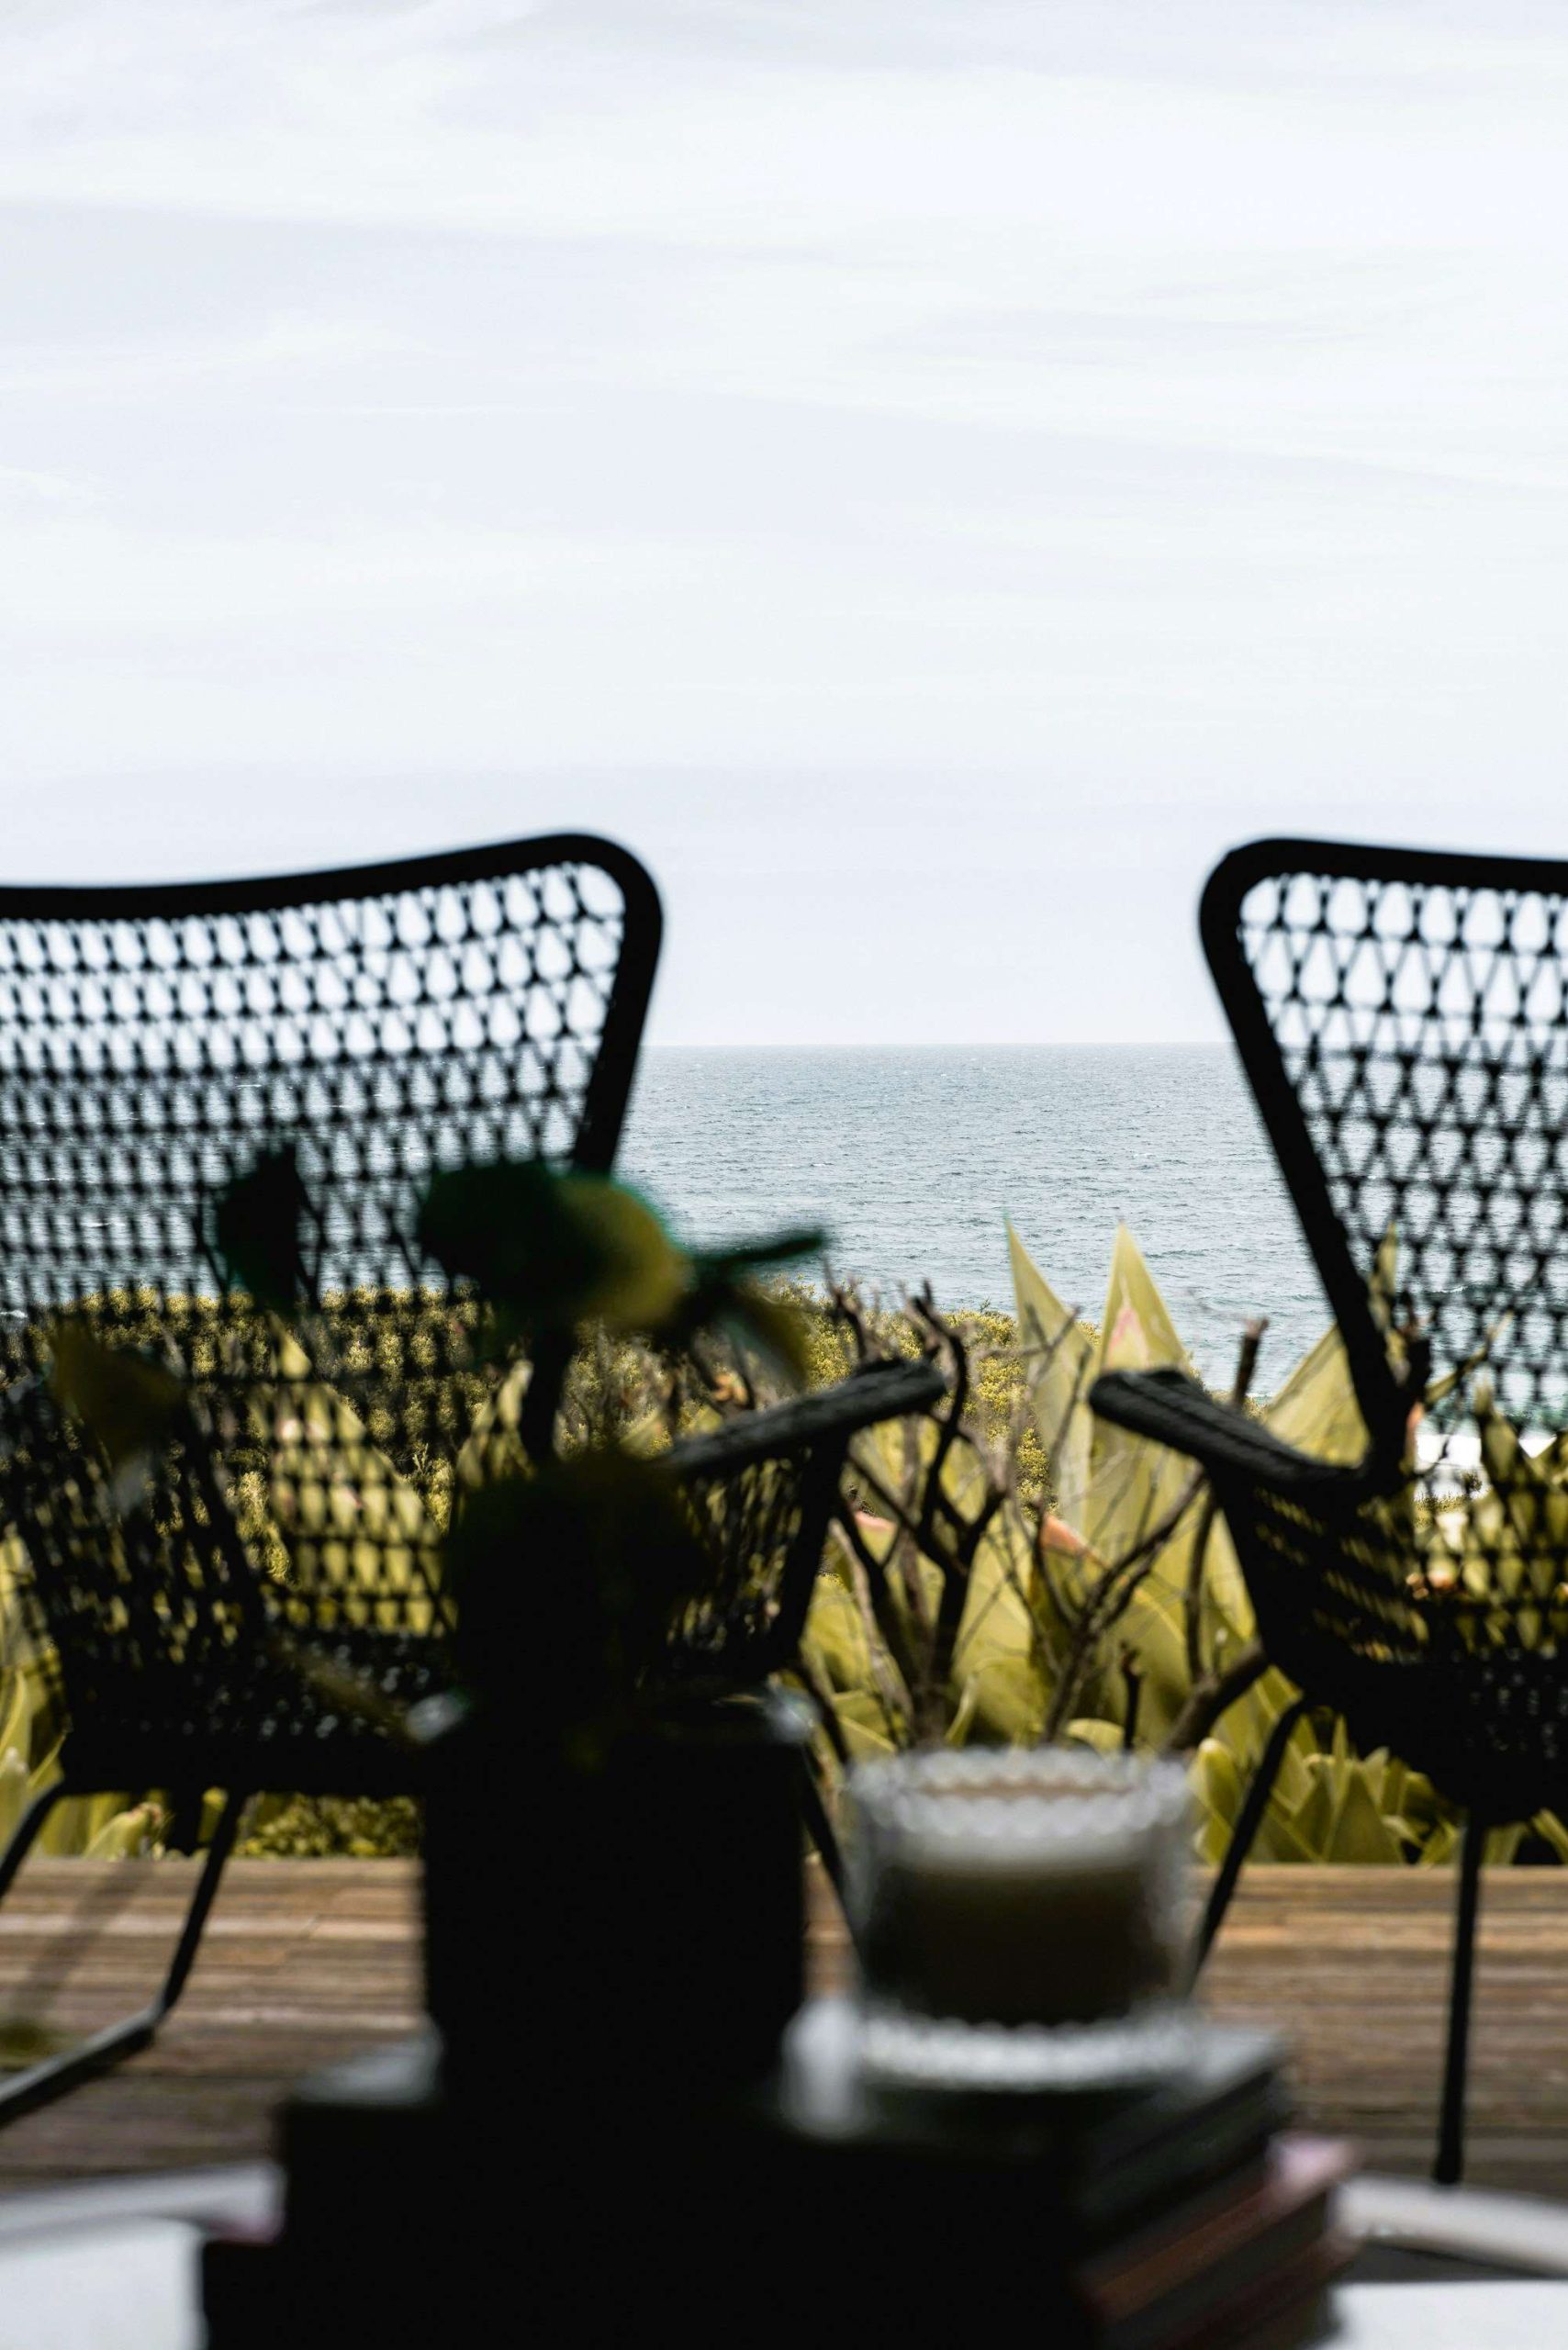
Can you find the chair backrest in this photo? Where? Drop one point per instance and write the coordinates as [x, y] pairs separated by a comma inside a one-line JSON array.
[[1401, 1016], [155, 1042]]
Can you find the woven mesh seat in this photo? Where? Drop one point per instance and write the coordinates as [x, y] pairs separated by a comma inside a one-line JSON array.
[[1403, 1018]]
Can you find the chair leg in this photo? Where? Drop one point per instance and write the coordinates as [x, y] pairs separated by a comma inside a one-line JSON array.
[[41, 2083], [1448, 2167], [1245, 1832], [217, 1852]]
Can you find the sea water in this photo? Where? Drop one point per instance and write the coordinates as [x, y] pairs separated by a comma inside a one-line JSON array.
[[913, 1160]]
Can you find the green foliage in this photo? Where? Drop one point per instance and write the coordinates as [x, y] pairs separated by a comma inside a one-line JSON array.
[[128, 1402], [310, 1827], [547, 1251], [1010, 1570], [573, 1563], [1103, 1580], [31, 1731]]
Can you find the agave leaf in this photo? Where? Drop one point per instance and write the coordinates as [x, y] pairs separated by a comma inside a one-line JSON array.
[[1133, 1483], [1009, 1700], [122, 1835], [863, 1723], [1383, 1281], [1137, 1333], [1536, 1508], [1219, 1788], [1316, 1410], [1440, 1845], [14, 1790], [834, 1642], [1057, 1375], [18, 1711], [1216, 1781], [959, 1727], [1552, 1460], [1392, 1778], [1105, 1738], [997, 1625], [1293, 1783], [1360, 1832]]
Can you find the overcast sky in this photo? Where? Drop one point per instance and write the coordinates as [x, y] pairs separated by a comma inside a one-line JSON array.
[[929, 476]]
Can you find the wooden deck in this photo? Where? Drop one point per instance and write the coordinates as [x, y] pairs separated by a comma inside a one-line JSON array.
[[306, 1960]]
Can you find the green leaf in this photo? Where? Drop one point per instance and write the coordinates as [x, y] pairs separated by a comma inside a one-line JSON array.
[[1105, 1738], [1010, 1699], [553, 1251], [836, 1639], [129, 1404], [759, 1320], [776, 1249], [1057, 1372], [863, 1723]]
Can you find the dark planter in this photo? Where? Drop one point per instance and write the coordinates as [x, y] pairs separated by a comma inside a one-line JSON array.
[[630, 1931]]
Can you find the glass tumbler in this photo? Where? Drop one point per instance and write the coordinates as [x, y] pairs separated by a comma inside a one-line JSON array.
[[1018, 1912]]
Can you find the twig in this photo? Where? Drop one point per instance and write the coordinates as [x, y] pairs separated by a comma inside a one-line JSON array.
[[878, 1615], [1108, 1601], [822, 1707], [1212, 1697]]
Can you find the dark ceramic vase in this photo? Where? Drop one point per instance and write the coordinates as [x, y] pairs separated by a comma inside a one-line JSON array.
[[632, 1930]]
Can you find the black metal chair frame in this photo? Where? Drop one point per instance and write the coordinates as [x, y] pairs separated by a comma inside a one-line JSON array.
[[193, 1596], [1403, 1031]]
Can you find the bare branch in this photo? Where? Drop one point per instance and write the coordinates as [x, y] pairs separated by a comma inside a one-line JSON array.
[[1213, 1695], [822, 1704], [1108, 1603], [878, 1615]]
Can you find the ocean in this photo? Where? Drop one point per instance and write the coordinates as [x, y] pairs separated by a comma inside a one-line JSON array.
[[914, 1159]]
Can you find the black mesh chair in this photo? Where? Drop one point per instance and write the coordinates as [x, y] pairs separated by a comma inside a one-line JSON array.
[[235, 1579], [1402, 1017]]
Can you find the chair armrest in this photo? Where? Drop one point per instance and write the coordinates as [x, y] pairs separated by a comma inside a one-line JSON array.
[[762, 1491], [1171, 1409], [878, 1390]]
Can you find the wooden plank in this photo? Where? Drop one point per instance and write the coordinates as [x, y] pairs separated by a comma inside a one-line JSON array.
[[1353, 1965], [303, 1963], [306, 1961]]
